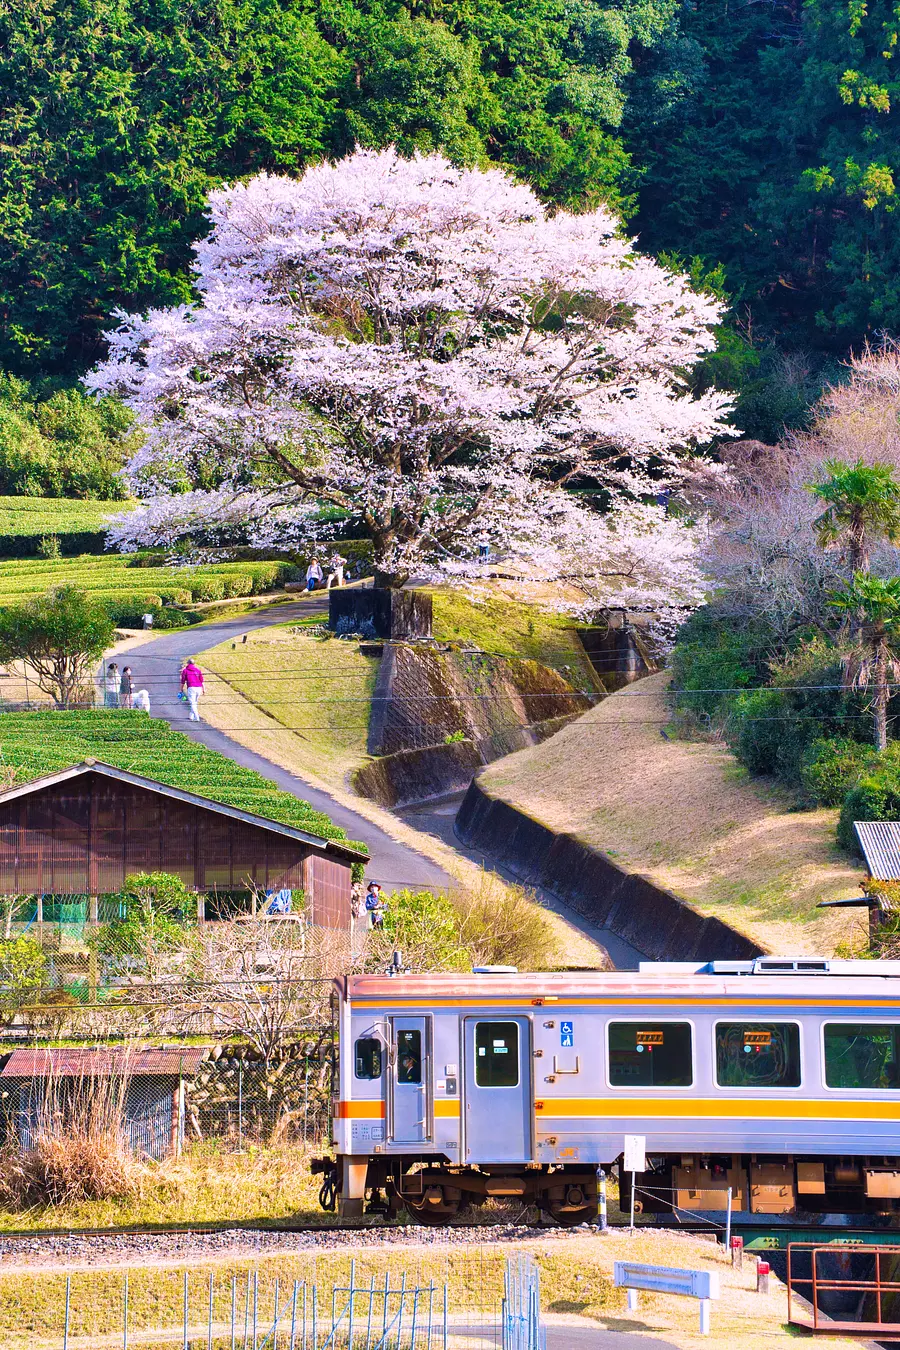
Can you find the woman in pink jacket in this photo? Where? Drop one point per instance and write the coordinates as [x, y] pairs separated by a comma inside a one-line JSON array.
[[192, 685]]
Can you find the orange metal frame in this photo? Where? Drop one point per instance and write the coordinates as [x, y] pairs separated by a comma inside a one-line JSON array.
[[809, 1287]]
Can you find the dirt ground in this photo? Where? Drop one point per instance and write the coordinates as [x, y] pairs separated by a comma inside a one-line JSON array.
[[687, 815]]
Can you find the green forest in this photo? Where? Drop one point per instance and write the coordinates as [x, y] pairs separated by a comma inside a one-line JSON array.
[[751, 143]]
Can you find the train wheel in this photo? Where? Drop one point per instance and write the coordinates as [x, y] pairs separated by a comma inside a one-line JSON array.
[[439, 1204]]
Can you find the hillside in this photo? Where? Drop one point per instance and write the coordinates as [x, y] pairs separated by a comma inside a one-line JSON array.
[[684, 814]]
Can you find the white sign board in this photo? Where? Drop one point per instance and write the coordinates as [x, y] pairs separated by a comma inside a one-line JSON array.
[[664, 1280], [635, 1159]]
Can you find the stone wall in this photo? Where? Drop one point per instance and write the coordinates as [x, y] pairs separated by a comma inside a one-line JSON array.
[[655, 921]]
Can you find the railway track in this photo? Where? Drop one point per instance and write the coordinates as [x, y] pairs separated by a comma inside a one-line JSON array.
[[756, 1236]]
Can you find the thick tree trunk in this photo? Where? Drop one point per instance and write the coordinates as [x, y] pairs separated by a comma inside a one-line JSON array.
[[881, 693], [389, 581]]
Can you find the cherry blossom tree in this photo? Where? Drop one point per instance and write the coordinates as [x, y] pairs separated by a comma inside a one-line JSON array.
[[423, 346]]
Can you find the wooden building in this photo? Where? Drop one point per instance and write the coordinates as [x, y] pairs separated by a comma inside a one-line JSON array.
[[147, 1088], [84, 830]]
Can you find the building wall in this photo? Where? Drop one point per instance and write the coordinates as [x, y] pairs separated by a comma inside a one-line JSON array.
[[85, 836]]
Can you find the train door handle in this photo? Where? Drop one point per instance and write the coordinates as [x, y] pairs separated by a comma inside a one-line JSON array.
[[558, 1070]]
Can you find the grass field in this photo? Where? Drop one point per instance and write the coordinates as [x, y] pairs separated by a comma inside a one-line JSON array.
[[320, 689], [686, 815], [576, 1290], [36, 743], [55, 515]]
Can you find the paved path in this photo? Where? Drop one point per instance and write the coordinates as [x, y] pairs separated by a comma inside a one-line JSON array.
[[155, 666]]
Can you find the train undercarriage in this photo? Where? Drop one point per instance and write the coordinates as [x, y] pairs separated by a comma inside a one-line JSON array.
[[436, 1191]]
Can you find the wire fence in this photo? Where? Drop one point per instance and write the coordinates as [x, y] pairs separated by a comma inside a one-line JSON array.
[[477, 1298]]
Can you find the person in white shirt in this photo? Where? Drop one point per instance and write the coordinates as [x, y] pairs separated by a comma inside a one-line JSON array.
[[335, 571], [313, 574]]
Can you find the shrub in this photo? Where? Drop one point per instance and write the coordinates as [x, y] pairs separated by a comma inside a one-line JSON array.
[[770, 730], [713, 657], [875, 797], [503, 924], [239, 583], [78, 1150], [830, 767], [49, 546], [208, 587]]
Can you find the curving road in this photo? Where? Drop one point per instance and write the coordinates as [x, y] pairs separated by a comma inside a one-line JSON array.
[[155, 666]]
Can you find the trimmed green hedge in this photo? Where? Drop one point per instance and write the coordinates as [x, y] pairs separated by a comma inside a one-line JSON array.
[[37, 743]]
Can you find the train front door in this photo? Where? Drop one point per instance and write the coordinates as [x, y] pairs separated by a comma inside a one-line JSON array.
[[409, 1076], [498, 1089]]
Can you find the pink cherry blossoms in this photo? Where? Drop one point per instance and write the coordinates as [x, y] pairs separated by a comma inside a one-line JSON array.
[[427, 348]]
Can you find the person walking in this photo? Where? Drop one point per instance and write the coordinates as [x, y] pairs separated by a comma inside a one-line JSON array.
[[126, 689], [192, 685], [313, 574], [335, 571], [111, 686]]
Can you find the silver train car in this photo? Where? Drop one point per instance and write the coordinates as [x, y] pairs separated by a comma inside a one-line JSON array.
[[778, 1079]]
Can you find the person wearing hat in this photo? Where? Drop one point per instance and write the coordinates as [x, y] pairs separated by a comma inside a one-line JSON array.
[[375, 905]]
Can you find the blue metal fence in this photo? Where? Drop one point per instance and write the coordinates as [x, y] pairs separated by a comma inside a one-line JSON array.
[[521, 1313]]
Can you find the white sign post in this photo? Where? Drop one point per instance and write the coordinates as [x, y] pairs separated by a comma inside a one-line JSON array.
[[634, 1160]]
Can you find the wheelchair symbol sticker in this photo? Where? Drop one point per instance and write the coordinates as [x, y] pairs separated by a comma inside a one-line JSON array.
[[566, 1034]]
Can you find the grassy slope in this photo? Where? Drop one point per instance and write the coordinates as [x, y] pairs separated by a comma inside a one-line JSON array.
[[576, 1290], [36, 743], [320, 689], [500, 623], [689, 817]]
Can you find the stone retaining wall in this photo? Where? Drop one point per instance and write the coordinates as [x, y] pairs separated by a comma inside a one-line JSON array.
[[657, 922]]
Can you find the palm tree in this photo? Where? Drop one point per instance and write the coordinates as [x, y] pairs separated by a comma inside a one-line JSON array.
[[862, 504], [875, 659]]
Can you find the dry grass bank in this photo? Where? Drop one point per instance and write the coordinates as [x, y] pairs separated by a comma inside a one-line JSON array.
[[687, 815], [576, 1276]]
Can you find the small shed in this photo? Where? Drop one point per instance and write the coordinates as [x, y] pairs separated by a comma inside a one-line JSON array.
[[147, 1083], [880, 844], [83, 830]]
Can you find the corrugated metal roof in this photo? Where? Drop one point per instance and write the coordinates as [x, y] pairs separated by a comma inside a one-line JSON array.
[[880, 843], [101, 1063], [337, 846]]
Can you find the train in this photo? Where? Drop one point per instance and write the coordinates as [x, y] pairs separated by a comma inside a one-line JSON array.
[[766, 1087]]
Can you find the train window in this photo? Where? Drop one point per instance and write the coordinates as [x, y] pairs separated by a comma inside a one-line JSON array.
[[496, 1054], [650, 1054], [368, 1057], [862, 1055], [758, 1054], [409, 1056]]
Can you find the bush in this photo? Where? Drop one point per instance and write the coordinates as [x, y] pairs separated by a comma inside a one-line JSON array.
[[772, 729], [875, 797], [830, 767], [79, 1148], [713, 657]]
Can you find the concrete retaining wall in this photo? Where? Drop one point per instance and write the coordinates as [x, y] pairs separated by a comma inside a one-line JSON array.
[[654, 920], [417, 775]]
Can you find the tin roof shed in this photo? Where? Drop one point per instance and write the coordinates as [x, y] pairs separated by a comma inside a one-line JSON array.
[[880, 844], [104, 1062]]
